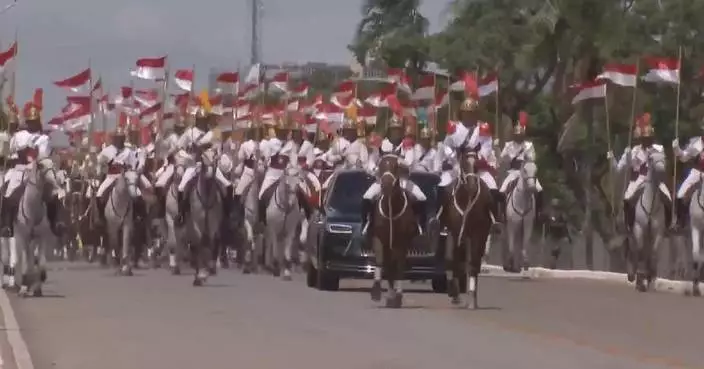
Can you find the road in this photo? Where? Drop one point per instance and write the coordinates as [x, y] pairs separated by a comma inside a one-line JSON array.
[[92, 319]]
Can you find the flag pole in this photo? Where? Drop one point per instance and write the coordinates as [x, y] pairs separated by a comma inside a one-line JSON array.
[[677, 121], [90, 103], [609, 148], [13, 77]]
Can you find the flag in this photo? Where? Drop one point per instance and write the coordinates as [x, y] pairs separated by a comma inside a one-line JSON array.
[[620, 74], [663, 70], [228, 82], [184, 79], [398, 77], [150, 68], [280, 81], [426, 88], [590, 90], [7, 56], [488, 85], [76, 82], [346, 88]]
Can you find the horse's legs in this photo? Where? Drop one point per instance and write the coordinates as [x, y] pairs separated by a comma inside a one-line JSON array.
[[287, 246], [395, 277], [509, 258], [378, 268], [126, 257], [173, 245], [526, 233], [203, 258], [26, 264], [697, 259], [453, 288]]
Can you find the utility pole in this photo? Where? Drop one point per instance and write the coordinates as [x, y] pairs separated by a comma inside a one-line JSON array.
[[255, 42]]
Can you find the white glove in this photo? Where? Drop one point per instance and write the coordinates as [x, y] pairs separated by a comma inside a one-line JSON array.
[[676, 143], [610, 155]]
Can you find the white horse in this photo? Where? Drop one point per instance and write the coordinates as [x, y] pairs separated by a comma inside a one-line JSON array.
[[174, 232], [696, 221], [254, 243], [204, 218], [119, 219], [648, 226], [283, 216], [32, 233], [520, 216]]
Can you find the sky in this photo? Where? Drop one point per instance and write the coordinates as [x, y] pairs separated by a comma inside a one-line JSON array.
[[59, 38]]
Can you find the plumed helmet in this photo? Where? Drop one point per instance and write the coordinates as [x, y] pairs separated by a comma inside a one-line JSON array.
[[425, 133], [395, 123], [469, 104], [522, 124]]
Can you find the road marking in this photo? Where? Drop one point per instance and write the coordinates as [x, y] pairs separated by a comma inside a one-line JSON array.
[[19, 348]]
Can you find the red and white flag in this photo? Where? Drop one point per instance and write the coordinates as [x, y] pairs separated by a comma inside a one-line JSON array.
[[620, 74], [72, 117], [426, 88], [75, 83], [488, 85], [368, 113], [184, 79], [398, 77], [254, 76], [299, 91], [150, 68], [346, 88], [280, 82], [380, 98], [442, 98], [590, 90], [228, 83], [147, 97], [7, 56], [662, 70], [312, 106], [151, 113]]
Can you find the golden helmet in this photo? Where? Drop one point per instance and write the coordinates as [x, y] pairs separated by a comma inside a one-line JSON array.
[[32, 113], [425, 133], [271, 132], [119, 131], [348, 124], [361, 131], [647, 131], [410, 131], [519, 129], [281, 124], [200, 113], [322, 136], [469, 104], [644, 128]]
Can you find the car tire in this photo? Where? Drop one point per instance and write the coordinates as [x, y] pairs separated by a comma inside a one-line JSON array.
[[311, 276], [439, 284], [328, 281]]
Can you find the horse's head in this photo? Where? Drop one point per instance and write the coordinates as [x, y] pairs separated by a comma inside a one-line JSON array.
[[127, 182], [529, 175], [389, 168], [42, 174], [209, 161], [468, 163], [656, 166]]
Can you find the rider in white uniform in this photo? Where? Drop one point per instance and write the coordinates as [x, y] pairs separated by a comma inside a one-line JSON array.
[[694, 151], [278, 154], [118, 158], [169, 147], [139, 163], [247, 158], [28, 145], [195, 142], [357, 154], [425, 152], [395, 144], [303, 151], [636, 159], [515, 152], [337, 153]]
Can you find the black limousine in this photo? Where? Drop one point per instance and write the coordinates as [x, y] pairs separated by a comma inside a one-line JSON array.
[[338, 251]]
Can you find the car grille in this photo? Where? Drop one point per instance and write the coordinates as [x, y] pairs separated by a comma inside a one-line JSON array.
[[340, 243]]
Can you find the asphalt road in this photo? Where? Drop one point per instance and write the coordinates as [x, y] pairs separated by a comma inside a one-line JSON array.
[[92, 319]]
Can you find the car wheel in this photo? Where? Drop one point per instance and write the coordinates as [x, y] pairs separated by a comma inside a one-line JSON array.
[[311, 276], [439, 284], [328, 281]]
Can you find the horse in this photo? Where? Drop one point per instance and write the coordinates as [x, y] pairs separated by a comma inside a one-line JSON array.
[[119, 221], [467, 214], [253, 247], [32, 233], [648, 226], [205, 217], [173, 231], [283, 217], [520, 217], [393, 226], [696, 216]]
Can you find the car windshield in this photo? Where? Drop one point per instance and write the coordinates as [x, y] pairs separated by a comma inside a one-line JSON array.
[[428, 183], [346, 193]]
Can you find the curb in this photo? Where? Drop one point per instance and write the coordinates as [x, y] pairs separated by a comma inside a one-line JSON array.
[[661, 285], [14, 336]]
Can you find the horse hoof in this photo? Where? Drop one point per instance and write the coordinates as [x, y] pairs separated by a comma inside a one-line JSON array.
[[38, 292], [453, 290], [23, 291], [42, 276], [696, 292], [376, 291], [287, 278], [455, 300], [197, 282], [395, 301], [175, 271], [246, 270], [276, 273], [631, 277]]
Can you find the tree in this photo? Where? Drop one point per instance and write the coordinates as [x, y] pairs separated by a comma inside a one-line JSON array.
[[393, 31]]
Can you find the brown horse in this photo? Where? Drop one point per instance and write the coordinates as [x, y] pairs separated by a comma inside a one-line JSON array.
[[393, 227], [467, 214]]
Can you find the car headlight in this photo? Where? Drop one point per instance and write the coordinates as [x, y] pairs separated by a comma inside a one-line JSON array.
[[339, 228]]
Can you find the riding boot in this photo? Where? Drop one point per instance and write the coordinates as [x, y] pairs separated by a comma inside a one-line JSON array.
[[139, 210], [261, 207], [498, 206], [629, 214], [237, 202], [7, 217], [667, 205], [421, 215], [160, 202], [682, 213], [539, 205], [182, 207], [304, 204], [52, 209], [441, 193], [227, 203]]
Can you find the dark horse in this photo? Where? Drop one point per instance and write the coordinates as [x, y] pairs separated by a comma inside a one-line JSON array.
[[467, 215], [393, 227]]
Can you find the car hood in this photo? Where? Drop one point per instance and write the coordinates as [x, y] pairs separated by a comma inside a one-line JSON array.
[[334, 216]]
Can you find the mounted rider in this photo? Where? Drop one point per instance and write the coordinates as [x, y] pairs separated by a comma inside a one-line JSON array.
[[305, 158], [694, 151], [169, 146], [29, 145], [194, 143], [247, 157], [476, 136], [118, 158], [637, 158], [425, 152], [339, 149], [141, 153], [515, 153], [395, 144]]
